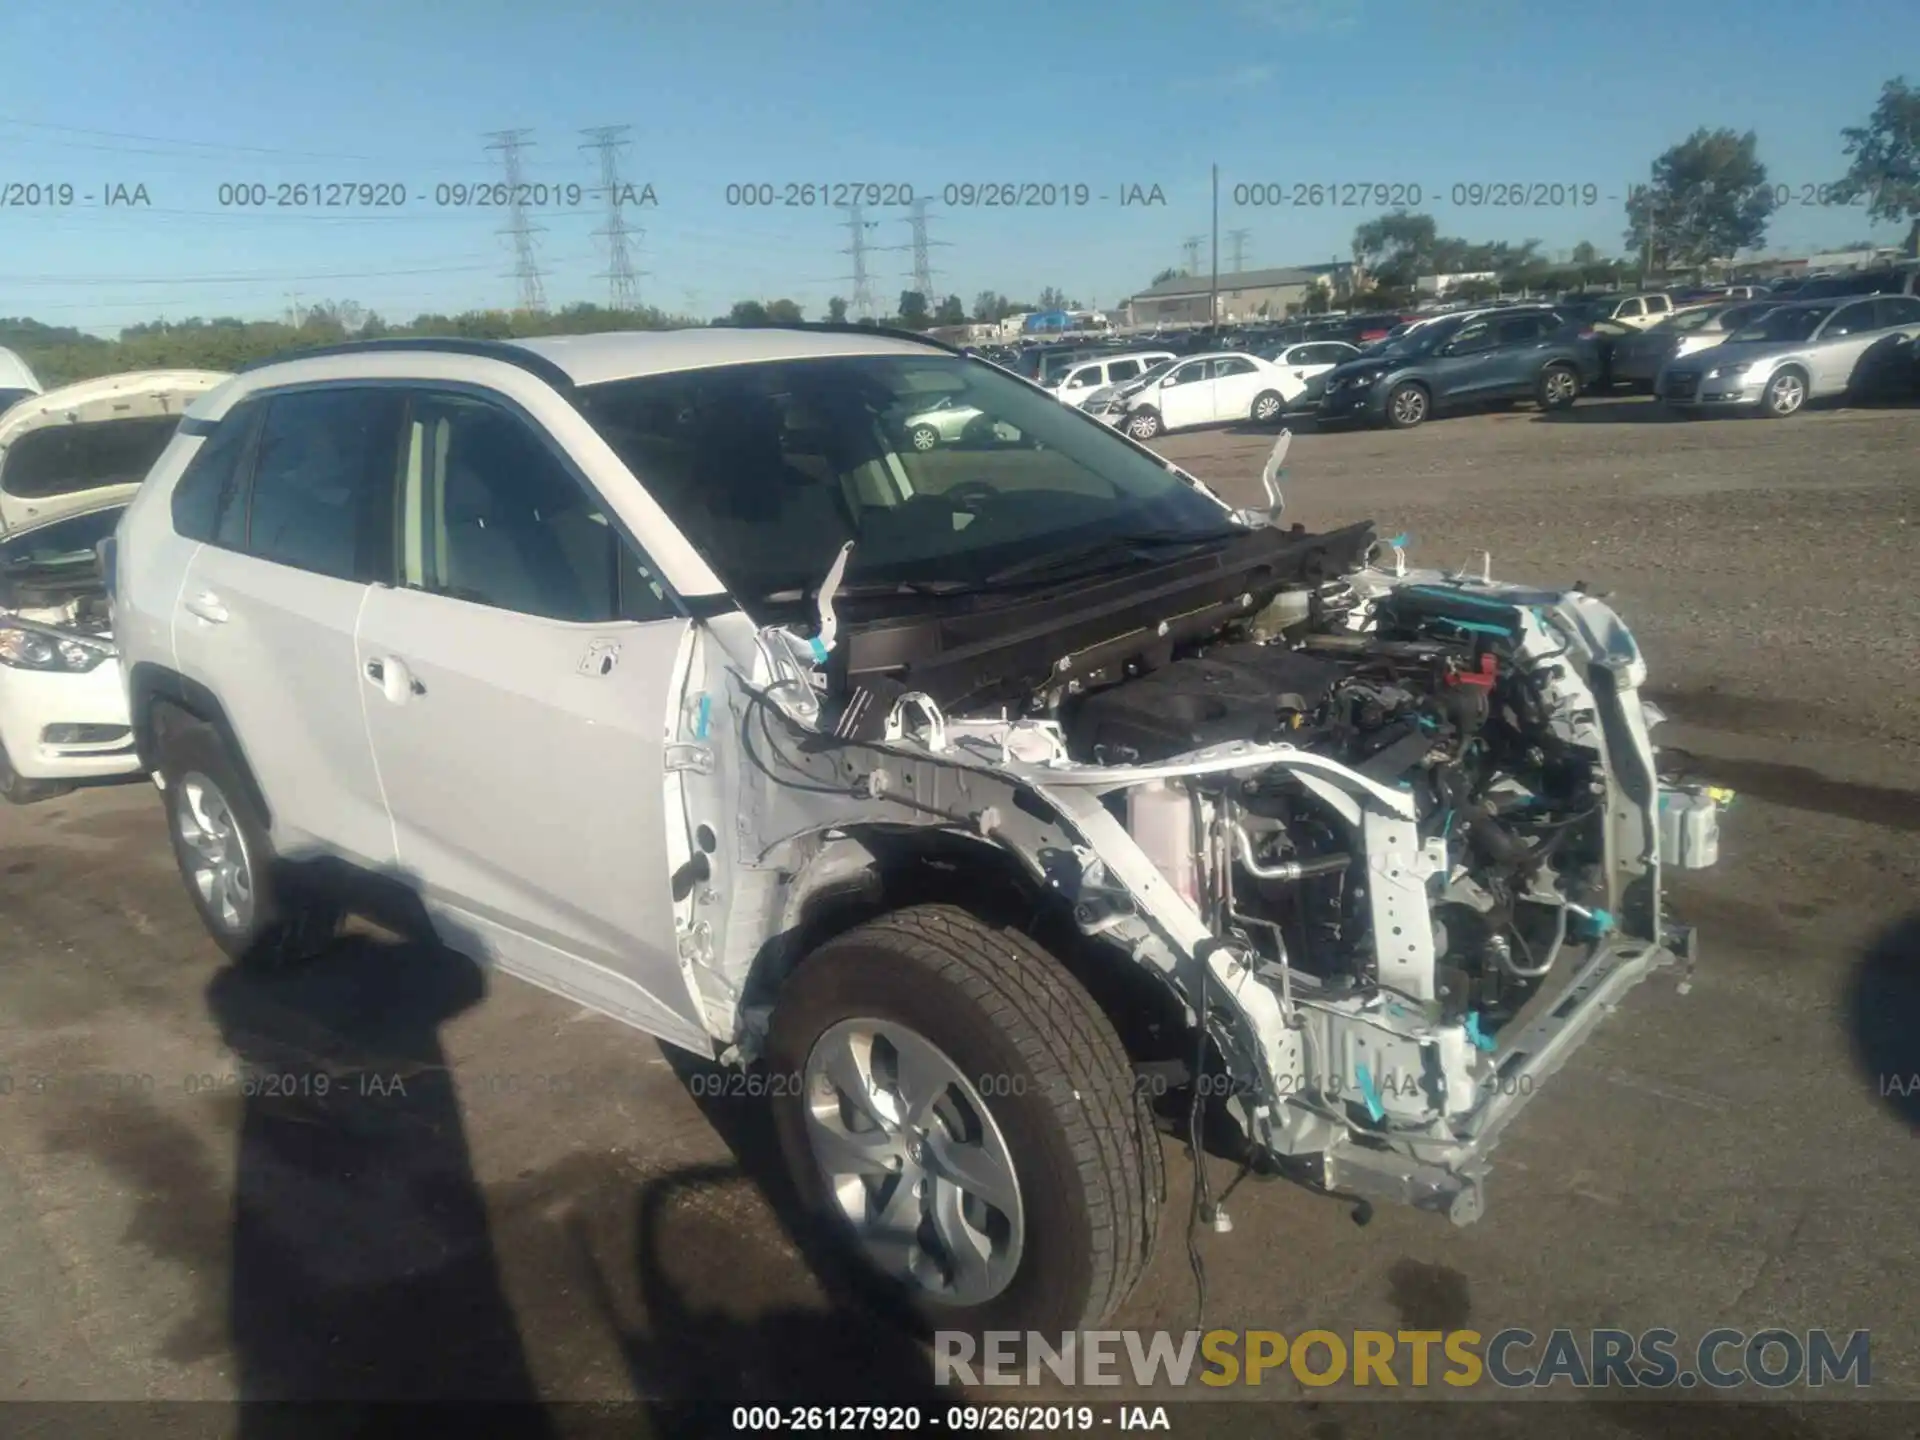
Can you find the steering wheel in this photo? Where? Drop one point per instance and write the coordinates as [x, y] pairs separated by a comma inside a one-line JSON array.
[[969, 495]]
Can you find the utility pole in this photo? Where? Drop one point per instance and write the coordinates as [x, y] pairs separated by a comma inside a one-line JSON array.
[[923, 271], [526, 269], [1239, 239], [862, 283], [622, 293], [1213, 305]]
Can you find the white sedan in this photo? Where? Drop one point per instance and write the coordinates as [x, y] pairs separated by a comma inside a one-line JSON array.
[[1310, 362], [1214, 389]]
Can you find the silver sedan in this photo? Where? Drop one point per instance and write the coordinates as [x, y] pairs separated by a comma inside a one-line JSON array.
[[1796, 353]]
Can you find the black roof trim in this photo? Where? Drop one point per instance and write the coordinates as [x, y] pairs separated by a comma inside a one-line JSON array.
[[504, 351], [849, 327]]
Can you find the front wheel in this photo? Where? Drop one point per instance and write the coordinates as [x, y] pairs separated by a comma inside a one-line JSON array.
[[1144, 424], [965, 1120], [1407, 406], [1267, 406], [1784, 395], [1559, 387]]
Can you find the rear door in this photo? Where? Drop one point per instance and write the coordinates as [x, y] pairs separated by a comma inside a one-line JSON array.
[[1842, 344], [266, 616], [522, 683], [1519, 341], [1236, 380]]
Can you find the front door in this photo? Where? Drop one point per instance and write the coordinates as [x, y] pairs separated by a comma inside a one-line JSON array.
[[1186, 396], [519, 688]]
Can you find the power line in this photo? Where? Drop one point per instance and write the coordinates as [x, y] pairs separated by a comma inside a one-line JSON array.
[[526, 269], [217, 149], [621, 290]]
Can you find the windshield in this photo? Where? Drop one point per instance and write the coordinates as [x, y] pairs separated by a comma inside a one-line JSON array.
[[942, 471], [1686, 322], [1793, 324]]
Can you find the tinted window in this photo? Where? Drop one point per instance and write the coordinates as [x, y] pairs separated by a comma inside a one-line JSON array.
[[62, 459], [1122, 370], [1477, 336], [1658, 305], [1521, 329], [1851, 320], [1899, 310], [322, 497], [490, 513], [207, 482]]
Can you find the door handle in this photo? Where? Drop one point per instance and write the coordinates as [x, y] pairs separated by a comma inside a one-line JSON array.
[[394, 680], [206, 606]]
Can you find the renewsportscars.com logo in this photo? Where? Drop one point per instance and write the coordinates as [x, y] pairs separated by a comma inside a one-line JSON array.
[[1513, 1359]]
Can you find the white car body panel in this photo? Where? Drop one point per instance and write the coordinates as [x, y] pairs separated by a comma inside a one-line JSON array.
[[110, 397], [31, 700]]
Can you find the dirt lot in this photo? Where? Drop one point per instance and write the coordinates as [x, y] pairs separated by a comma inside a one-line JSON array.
[[502, 1196]]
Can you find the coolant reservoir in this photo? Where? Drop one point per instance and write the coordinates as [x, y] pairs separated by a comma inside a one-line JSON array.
[[1689, 827], [1160, 819]]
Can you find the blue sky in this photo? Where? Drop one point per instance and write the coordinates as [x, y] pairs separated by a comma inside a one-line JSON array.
[[187, 96]]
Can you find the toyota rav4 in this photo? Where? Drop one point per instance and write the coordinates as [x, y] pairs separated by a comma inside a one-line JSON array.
[[1005, 802]]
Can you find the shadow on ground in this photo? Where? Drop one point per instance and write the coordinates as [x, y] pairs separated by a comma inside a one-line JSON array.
[[1884, 1007], [1612, 410]]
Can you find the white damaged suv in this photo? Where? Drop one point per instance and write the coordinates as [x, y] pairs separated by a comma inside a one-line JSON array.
[[998, 801]]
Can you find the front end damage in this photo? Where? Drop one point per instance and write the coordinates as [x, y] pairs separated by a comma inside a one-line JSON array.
[[1391, 835]]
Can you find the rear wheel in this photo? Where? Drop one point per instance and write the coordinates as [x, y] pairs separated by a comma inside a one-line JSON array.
[[1559, 387], [1784, 395], [1267, 406], [226, 860], [964, 1117], [1408, 406]]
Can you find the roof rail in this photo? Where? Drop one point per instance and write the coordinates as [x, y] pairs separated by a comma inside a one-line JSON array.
[[504, 351], [852, 327]]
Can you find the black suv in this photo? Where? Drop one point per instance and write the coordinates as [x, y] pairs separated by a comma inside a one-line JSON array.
[[1465, 360]]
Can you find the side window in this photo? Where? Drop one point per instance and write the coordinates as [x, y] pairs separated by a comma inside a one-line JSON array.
[[1234, 365], [491, 514], [1121, 371], [1187, 374], [1853, 319], [1630, 310], [1472, 339], [1084, 378], [206, 486], [1658, 305], [323, 482], [1520, 330], [1899, 310]]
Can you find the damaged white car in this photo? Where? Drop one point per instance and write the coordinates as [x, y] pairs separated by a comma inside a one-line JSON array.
[[70, 459], [982, 801]]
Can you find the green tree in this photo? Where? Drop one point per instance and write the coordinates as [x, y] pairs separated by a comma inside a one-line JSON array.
[[1707, 200], [914, 314], [784, 312], [1885, 168], [950, 312], [1053, 298], [747, 312], [1396, 249], [1170, 273], [837, 310]]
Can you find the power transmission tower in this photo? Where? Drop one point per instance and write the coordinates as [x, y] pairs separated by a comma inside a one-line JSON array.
[[526, 268], [1192, 246], [862, 282], [923, 271], [1239, 239], [621, 291]]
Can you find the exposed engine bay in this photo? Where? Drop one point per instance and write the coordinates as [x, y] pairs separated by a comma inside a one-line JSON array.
[[1392, 837]]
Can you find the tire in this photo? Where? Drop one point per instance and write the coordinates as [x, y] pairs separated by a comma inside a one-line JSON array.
[[1050, 1091], [18, 789], [1558, 387], [1267, 407], [923, 438], [247, 907], [1144, 425], [1786, 394], [1408, 405]]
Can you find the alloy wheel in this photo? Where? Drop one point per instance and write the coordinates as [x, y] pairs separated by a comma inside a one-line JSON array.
[[1785, 394], [219, 867], [914, 1162]]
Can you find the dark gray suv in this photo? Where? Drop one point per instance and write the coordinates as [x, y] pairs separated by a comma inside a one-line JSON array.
[[1465, 360]]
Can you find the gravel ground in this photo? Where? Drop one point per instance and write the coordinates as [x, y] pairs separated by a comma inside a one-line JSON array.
[[502, 1196]]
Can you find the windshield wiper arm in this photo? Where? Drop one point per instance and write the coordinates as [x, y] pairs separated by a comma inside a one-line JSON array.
[[1123, 547]]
